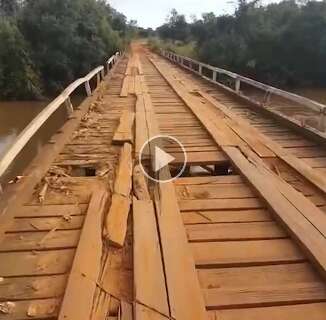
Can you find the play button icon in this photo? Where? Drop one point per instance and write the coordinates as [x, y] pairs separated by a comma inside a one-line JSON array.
[[162, 159], [159, 152]]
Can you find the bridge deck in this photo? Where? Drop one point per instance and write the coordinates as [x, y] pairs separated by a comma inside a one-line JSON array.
[[242, 238]]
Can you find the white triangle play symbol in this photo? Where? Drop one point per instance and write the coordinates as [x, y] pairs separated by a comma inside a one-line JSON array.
[[162, 159]]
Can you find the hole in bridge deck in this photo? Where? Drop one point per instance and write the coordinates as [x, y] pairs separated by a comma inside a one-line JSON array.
[[78, 171]]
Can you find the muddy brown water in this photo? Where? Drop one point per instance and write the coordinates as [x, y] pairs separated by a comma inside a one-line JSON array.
[[15, 116]]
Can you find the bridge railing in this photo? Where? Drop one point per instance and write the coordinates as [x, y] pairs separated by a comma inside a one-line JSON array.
[[238, 80], [63, 99]]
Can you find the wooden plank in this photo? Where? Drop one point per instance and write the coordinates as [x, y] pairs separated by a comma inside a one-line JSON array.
[[297, 222], [186, 301], [124, 132], [198, 158], [47, 223], [86, 266], [217, 191], [140, 187], [148, 267], [141, 128], [264, 276], [204, 217], [116, 220], [125, 87], [36, 309], [101, 305], [36, 262], [53, 239], [277, 195], [235, 231], [241, 126], [30, 288], [314, 311], [231, 179], [144, 313], [221, 204], [126, 312], [245, 253], [52, 210], [123, 181], [265, 296]]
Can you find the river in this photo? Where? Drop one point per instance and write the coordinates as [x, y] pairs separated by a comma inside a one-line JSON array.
[[14, 117]]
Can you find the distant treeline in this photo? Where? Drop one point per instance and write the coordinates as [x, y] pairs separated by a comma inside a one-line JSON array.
[[46, 44], [282, 44]]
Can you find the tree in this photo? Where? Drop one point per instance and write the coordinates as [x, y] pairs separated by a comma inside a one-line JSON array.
[[19, 78]]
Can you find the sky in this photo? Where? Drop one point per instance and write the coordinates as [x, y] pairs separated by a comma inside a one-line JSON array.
[[153, 13]]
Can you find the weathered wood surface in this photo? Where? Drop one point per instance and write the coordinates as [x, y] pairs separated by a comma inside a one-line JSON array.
[[86, 266], [124, 133]]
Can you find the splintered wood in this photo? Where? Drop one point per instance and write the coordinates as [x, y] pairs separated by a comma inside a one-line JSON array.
[[148, 266], [124, 133], [117, 217], [86, 267]]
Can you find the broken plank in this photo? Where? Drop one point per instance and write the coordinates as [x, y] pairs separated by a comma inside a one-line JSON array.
[[144, 313], [140, 187], [124, 132], [123, 181], [148, 267], [116, 221], [86, 266]]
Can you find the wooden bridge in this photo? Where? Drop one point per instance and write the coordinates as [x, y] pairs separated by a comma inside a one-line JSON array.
[[240, 236]]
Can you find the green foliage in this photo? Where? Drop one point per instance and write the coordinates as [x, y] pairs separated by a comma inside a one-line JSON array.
[[63, 39], [281, 43], [19, 79]]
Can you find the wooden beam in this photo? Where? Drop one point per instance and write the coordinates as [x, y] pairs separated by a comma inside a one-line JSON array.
[[124, 132], [117, 221], [149, 280], [123, 181], [140, 187], [87, 262]]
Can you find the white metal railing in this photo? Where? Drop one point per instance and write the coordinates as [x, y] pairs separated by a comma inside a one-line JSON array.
[[64, 98], [238, 79]]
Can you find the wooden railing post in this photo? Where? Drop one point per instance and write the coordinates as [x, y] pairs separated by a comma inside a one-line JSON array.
[[200, 69], [323, 122], [214, 75], [102, 74], [88, 89], [237, 85], [98, 79], [69, 107]]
